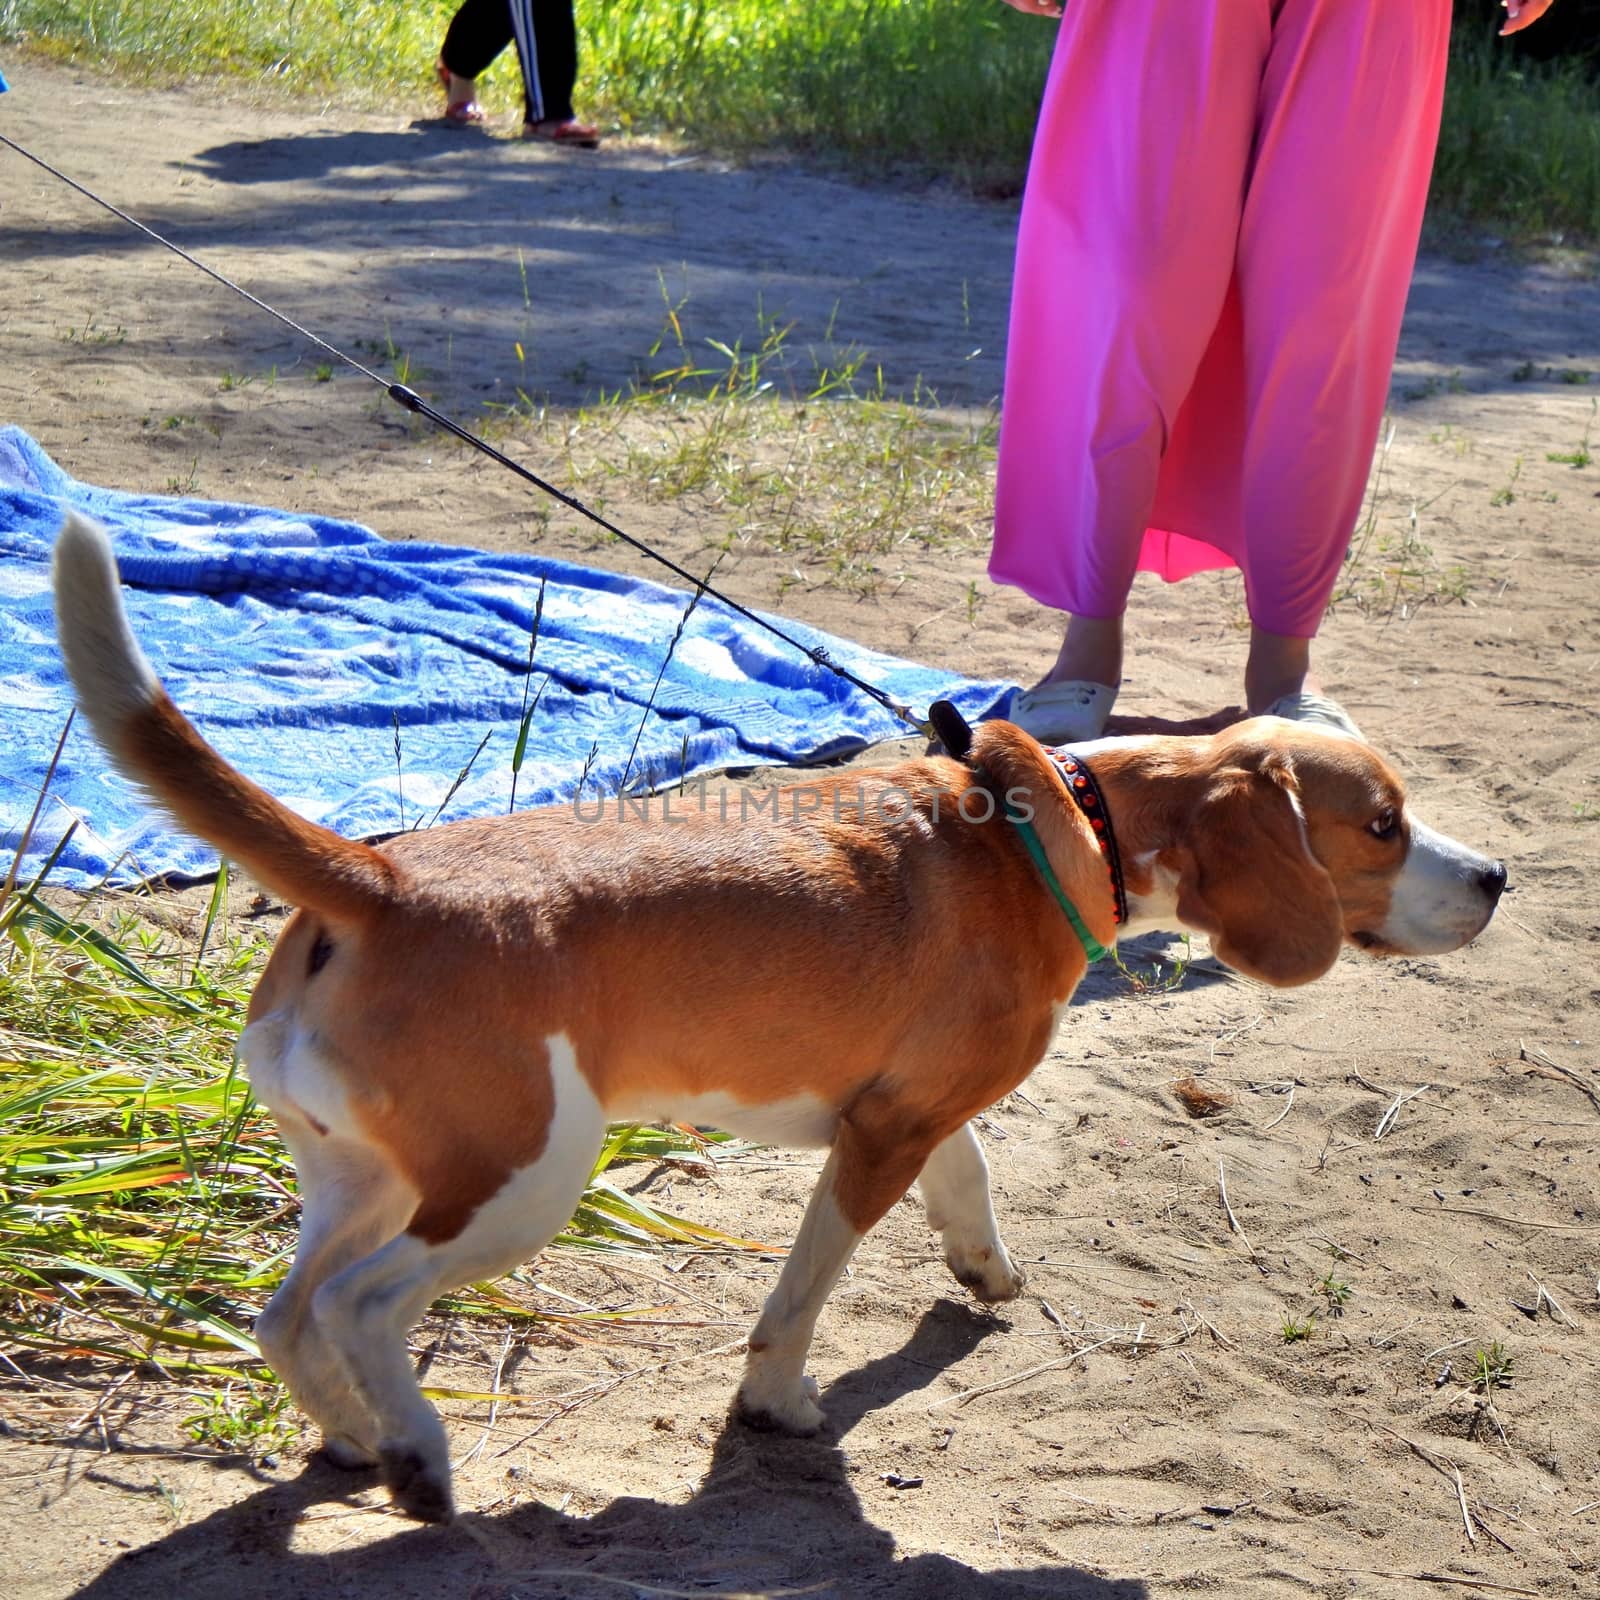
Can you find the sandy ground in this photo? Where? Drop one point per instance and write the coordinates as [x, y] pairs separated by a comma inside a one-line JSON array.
[[1195, 1448]]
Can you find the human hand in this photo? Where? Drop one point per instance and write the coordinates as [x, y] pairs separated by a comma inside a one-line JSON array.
[[1522, 13], [1052, 8]]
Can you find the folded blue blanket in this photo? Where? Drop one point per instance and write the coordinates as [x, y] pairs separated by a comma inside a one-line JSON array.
[[355, 678]]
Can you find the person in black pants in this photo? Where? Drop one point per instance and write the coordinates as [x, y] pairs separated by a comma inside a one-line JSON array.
[[547, 46]]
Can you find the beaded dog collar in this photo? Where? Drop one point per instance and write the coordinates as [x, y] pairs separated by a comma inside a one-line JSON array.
[[1083, 788]]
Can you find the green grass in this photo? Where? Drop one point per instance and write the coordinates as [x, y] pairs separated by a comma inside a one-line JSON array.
[[1519, 150], [951, 88], [1581, 456], [1492, 1367], [1335, 1291], [797, 449], [147, 1208]]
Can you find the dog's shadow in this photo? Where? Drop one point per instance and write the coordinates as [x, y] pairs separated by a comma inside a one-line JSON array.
[[771, 1514]]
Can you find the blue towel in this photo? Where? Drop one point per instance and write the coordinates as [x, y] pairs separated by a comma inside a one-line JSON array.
[[355, 678]]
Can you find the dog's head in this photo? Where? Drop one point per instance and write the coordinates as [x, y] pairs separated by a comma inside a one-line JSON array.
[[1297, 841]]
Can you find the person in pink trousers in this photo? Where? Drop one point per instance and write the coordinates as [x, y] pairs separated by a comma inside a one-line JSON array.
[[1218, 233]]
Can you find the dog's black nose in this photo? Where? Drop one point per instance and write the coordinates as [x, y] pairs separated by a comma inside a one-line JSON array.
[[1492, 880]]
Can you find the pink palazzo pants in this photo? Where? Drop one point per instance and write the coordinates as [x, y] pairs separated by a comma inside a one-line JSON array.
[[1217, 236]]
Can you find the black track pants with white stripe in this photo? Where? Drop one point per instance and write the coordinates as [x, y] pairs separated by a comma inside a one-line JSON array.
[[547, 46]]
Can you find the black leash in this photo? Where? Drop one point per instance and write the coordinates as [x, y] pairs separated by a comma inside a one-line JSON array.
[[412, 401]]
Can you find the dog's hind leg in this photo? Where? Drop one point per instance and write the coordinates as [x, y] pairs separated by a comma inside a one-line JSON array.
[[955, 1188], [351, 1201], [367, 1310], [872, 1164]]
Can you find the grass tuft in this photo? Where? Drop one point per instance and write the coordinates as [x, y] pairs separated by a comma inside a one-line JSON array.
[[796, 451]]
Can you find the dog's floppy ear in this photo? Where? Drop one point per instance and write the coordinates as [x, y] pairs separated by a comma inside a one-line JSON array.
[[1248, 879]]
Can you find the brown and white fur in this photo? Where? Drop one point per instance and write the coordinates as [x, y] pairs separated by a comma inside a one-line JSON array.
[[449, 1021]]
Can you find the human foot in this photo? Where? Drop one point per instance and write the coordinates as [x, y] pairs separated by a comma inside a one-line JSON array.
[[1063, 712], [460, 96], [564, 130], [1074, 698], [1315, 710]]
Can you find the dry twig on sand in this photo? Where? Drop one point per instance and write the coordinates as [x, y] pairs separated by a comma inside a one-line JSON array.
[[1447, 1469], [1387, 1120], [1210, 1327], [1514, 1222], [1545, 1067], [1133, 1339], [566, 1405], [1287, 1088], [1543, 1297], [1435, 1577], [1233, 1222]]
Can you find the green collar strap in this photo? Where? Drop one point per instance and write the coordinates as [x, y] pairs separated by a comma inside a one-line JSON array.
[[1029, 835]]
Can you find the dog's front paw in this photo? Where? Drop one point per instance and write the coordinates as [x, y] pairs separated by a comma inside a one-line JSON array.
[[420, 1488], [789, 1407], [987, 1271]]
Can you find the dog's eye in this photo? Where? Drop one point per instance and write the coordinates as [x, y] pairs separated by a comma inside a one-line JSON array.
[[1386, 824]]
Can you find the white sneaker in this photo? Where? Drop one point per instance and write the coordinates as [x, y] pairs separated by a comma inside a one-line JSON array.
[[1316, 711], [1063, 713]]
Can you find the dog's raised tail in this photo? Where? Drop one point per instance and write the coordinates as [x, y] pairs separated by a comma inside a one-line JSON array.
[[152, 743]]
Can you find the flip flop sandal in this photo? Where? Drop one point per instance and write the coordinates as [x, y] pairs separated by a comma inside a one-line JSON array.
[[578, 134], [1316, 711], [463, 113], [1063, 713]]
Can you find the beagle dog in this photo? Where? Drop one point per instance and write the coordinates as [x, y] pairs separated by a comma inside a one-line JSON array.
[[863, 963]]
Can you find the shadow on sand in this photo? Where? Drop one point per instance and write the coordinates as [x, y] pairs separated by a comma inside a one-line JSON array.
[[771, 1514], [307, 156]]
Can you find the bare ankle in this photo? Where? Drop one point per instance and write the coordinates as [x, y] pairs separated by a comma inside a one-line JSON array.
[[1279, 664], [1091, 652]]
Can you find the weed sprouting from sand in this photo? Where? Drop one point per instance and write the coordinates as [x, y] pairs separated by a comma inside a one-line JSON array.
[[1389, 572], [1297, 1329], [89, 333], [1581, 456], [244, 1418], [1493, 1367], [1506, 494], [1335, 1291], [1161, 975]]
